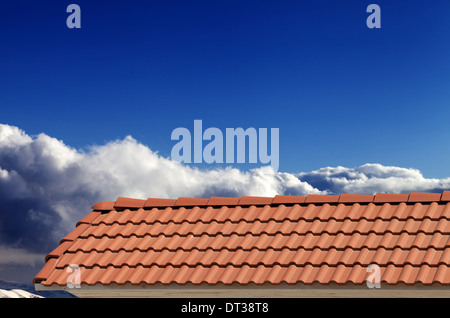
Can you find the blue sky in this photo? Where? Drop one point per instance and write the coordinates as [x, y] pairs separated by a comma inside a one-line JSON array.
[[359, 110], [341, 93]]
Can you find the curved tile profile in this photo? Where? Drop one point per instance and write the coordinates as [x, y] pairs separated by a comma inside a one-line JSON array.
[[309, 274], [285, 239]]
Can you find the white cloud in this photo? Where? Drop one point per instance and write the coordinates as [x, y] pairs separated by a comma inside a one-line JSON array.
[[18, 256], [372, 178], [47, 186]]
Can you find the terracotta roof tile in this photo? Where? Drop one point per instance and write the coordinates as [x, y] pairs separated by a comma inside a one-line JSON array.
[[320, 198], [79, 230], [424, 197], [289, 199], [247, 200], [154, 202], [445, 196], [89, 218], [214, 201], [191, 202], [103, 206], [390, 198], [46, 271], [401, 211], [59, 251], [315, 239], [129, 203], [360, 198]]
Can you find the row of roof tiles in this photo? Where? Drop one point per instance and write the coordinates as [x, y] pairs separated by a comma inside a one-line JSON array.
[[271, 227], [255, 257], [355, 211], [248, 242], [261, 274], [122, 203]]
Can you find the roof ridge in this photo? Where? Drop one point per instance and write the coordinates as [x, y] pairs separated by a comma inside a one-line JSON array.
[[413, 197]]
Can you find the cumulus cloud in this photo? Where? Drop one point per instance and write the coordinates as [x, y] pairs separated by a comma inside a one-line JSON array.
[[46, 186], [372, 178]]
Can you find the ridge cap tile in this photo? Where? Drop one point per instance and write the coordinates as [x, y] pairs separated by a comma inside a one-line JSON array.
[[223, 201], [123, 202], [255, 200], [322, 198], [356, 198], [159, 202], [424, 197], [445, 196], [104, 206], [288, 199], [185, 201], [390, 198], [129, 203]]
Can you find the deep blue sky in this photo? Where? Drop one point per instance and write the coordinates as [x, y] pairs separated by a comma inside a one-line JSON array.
[[341, 94]]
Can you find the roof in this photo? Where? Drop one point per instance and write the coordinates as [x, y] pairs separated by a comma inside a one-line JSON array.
[[310, 239]]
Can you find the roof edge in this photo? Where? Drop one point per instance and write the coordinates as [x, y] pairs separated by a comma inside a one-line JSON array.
[[378, 198], [104, 206]]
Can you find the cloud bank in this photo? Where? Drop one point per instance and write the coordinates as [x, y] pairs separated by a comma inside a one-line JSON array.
[[46, 186]]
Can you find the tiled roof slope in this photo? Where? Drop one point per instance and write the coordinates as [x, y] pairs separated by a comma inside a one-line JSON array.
[[283, 239]]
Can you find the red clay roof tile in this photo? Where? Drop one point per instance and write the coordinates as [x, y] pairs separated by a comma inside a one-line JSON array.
[[248, 200], [289, 199], [60, 250], [46, 271], [103, 206], [191, 202], [390, 198], [445, 196], [360, 198], [321, 198], [129, 203], [89, 218], [223, 201], [154, 202], [401, 211], [313, 239], [79, 230], [424, 197]]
